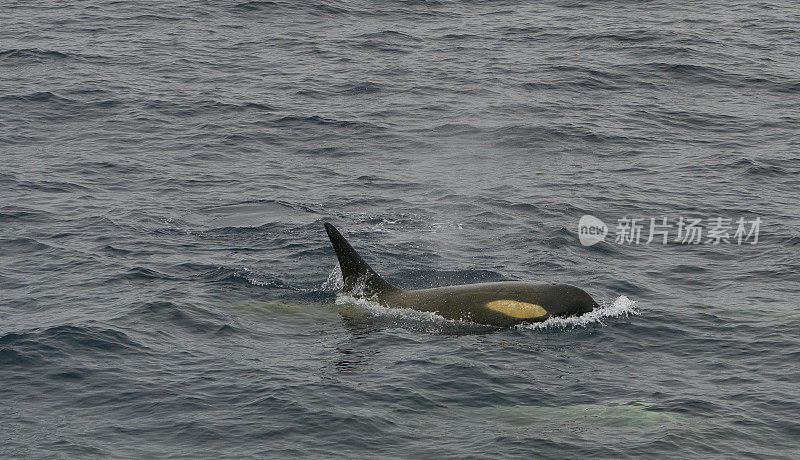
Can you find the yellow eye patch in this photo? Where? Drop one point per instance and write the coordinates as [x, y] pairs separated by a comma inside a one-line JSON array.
[[516, 309]]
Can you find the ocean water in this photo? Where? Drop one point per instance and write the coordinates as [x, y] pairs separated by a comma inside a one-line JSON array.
[[167, 289]]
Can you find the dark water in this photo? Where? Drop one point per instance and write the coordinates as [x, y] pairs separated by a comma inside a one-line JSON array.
[[164, 274]]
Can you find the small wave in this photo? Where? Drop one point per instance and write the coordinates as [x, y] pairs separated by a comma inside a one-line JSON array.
[[636, 36], [257, 279], [143, 273], [258, 216], [793, 240], [32, 53], [452, 129], [317, 8], [115, 250], [334, 281], [40, 344], [765, 170], [190, 318], [22, 245], [154, 17], [7, 282], [584, 82], [46, 106], [327, 8], [387, 34], [52, 186], [523, 136], [9, 357], [457, 36], [327, 151], [256, 5], [243, 275], [38, 96], [524, 31], [203, 107], [290, 121], [379, 310], [359, 88]]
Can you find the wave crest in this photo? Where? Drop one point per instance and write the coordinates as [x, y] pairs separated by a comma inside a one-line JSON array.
[[379, 310], [621, 306]]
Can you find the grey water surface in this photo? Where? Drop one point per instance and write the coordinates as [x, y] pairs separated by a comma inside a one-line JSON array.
[[167, 289]]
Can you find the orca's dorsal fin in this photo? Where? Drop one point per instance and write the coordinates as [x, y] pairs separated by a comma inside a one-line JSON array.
[[356, 273]]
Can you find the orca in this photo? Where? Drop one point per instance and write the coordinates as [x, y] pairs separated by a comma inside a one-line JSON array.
[[502, 304]]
